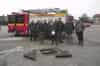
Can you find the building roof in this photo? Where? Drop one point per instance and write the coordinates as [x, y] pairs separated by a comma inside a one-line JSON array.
[[55, 10]]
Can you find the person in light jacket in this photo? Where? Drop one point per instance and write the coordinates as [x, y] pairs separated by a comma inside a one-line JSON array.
[[79, 28]]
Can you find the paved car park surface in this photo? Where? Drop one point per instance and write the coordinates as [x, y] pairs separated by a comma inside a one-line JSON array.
[[15, 47]]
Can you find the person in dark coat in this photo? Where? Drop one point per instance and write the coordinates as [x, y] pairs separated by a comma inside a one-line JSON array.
[[58, 26], [36, 30], [69, 26], [40, 25], [51, 31], [43, 30], [31, 30], [45, 27]]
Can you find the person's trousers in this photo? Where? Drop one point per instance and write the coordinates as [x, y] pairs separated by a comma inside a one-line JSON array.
[[59, 37], [33, 35], [80, 37]]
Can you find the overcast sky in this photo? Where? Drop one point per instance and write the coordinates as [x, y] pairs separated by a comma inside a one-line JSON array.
[[75, 7]]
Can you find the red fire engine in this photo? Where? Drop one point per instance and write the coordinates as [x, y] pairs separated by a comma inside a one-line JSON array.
[[18, 23]]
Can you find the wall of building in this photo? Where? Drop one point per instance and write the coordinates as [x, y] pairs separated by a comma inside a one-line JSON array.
[[3, 20]]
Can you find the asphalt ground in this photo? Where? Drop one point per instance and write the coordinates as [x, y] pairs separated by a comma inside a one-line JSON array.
[[88, 55]]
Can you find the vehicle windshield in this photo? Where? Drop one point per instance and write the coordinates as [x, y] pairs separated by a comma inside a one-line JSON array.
[[19, 18], [11, 19]]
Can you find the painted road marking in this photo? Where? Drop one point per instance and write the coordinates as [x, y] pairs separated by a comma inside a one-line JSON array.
[[11, 38]]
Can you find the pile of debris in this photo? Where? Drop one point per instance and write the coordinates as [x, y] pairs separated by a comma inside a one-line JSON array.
[[56, 52]]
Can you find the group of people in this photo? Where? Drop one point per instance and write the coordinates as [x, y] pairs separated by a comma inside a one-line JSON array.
[[56, 30]]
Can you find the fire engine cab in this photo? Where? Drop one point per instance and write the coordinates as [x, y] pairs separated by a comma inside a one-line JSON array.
[[18, 23]]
